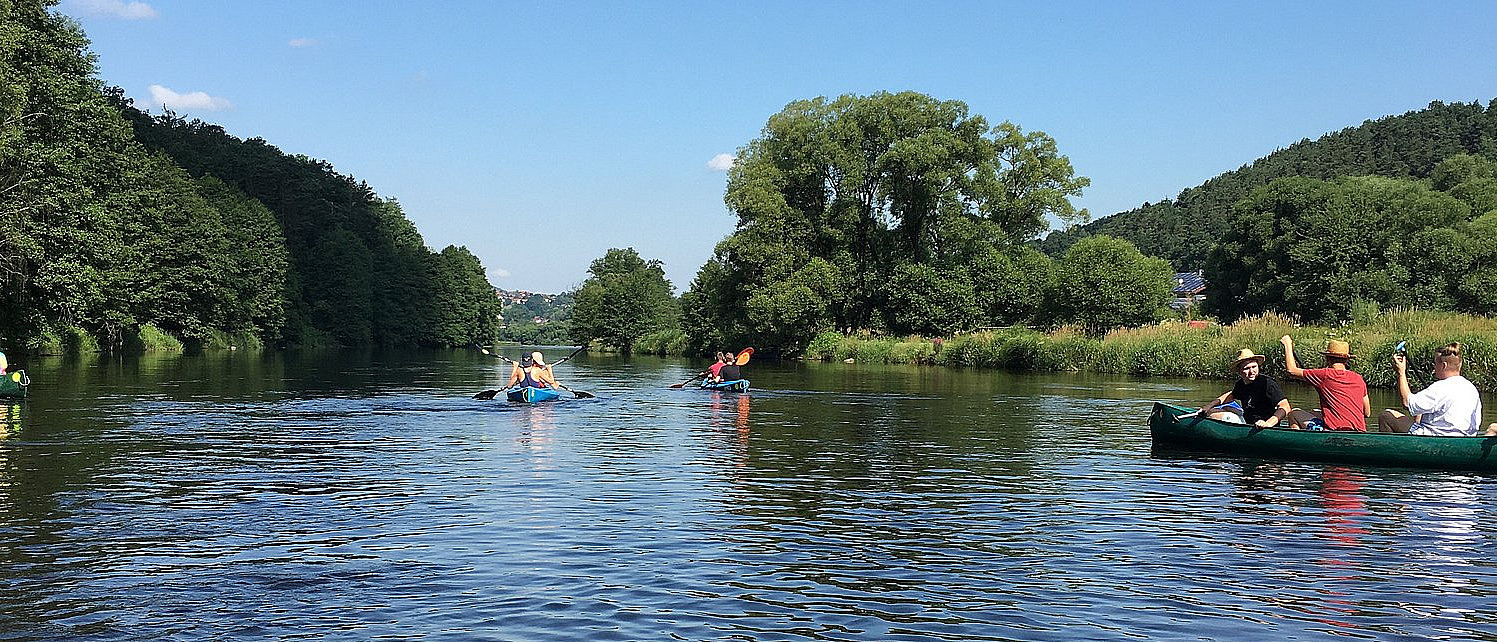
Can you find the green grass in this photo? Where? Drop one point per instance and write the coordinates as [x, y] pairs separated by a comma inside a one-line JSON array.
[[1175, 349]]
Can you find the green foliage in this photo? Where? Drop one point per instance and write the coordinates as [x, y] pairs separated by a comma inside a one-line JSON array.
[[849, 208], [1176, 349], [149, 338], [626, 298], [1104, 283], [1320, 249], [1411, 146], [111, 219], [671, 342]]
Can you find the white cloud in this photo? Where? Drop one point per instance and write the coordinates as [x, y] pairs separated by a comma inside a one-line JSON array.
[[113, 9], [721, 163], [299, 43], [191, 100], [498, 272]]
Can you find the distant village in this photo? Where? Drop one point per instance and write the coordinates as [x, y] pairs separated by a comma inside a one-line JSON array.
[[537, 306]]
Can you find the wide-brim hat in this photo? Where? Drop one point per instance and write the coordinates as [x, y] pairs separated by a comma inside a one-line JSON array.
[[536, 357], [1338, 349], [1246, 355]]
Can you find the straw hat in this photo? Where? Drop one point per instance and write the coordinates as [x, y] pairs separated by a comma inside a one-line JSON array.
[[1246, 355], [1338, 349], [536, 357]]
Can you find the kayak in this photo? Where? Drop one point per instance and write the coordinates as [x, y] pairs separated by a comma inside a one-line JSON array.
[[13, 384], [527, 394], [736, 385], [1170, 430]]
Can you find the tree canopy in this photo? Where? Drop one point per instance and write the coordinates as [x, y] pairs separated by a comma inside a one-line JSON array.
[[625, 298], [111, 219], [1317, 248], [863, 212]]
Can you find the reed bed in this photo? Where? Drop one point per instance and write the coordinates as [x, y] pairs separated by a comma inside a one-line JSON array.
[[1176, 349]]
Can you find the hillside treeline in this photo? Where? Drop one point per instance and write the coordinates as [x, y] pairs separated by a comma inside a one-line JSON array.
[[1409, 146], [116, 225]]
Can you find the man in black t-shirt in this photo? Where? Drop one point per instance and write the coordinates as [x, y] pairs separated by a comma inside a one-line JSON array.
[[1262, 401]]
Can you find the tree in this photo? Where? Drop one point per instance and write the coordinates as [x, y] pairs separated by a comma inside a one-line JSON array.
[[836, 197], [1105, 282], [1315, 248], [626, 298]]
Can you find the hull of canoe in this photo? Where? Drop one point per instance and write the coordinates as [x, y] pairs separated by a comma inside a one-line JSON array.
[[1172, 432], [531, 395], [13, 384], [737, 385]]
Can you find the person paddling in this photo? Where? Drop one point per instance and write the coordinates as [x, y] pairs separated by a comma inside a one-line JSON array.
[[729, 370], [1262, 401], [715, 370], [532, 372], [1343, 394]]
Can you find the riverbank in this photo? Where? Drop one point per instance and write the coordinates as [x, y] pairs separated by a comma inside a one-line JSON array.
[[1178, 349]]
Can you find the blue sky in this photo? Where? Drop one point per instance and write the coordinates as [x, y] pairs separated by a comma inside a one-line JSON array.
[[541, 134]]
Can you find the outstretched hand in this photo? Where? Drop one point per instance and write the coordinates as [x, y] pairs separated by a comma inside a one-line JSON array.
[[1287, 342], [1400, 363]]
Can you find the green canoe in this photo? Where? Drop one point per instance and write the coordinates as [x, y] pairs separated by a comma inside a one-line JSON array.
[[13, 384], [1170, 431]]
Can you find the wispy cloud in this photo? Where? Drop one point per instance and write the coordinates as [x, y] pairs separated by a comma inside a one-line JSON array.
[[300, 43], [721, 162], [191, 100], [112, 9], [498, 272]]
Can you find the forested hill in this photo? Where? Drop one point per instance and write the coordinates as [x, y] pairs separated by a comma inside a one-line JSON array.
[[117, 228], [360, 272], [1406, 146]]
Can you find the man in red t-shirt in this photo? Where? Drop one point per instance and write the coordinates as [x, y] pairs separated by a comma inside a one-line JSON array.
[[1343, 394]]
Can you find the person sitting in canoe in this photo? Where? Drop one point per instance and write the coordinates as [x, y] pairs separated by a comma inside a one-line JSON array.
[[715, 370], [1262, 401], [1343, 394], [730, 370], [532, 372], [1450, 406]]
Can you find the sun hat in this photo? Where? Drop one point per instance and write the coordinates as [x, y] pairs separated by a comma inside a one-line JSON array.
[[1338, 349], [536, 357], [1246, 355]]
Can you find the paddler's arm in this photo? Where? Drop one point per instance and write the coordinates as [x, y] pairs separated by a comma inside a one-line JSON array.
[[1290, 365], [1279, 413]]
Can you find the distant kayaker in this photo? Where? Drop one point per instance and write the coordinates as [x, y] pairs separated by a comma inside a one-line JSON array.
[[532, 372], [1262, 401], [729, 370], [1450, 406], [1343, 394], [714, 371]]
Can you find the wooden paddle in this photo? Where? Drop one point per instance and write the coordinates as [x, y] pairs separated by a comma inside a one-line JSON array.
[[742, 359], [489, 394]]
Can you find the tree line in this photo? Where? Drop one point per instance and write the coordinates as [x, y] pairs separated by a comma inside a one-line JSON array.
[[886, 213], [900, 214], [113, 220]]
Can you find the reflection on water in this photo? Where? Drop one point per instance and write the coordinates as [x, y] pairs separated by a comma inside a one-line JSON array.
[[362, 495]]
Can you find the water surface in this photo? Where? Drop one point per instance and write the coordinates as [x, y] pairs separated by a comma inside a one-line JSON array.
[[351, 495]]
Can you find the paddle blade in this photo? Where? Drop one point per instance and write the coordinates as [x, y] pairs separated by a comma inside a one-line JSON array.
[[583, 394], [486, 395], [743, 357]]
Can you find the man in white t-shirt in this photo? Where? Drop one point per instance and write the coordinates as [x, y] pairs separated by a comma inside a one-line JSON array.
[[1450, 406]]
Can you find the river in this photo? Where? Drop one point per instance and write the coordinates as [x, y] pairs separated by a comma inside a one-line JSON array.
[[358, 495]]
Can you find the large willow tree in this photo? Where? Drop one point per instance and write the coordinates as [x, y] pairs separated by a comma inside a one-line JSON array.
[[853, 209]]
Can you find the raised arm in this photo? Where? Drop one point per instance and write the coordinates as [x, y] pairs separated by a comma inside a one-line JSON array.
[[1401, 368], [1290, 365]]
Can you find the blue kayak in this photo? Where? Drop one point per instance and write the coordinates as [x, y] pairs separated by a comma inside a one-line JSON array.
[[527, 394], [736, 385]]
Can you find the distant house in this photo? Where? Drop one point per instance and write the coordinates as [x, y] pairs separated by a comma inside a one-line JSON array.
[[1190, 289]]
